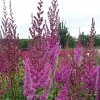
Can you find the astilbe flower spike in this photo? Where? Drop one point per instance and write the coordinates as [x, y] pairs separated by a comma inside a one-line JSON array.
[[78, 53], [63, 93], [38, 53], [9, 50], [9, 40], [39, 56], [46, 47], [98, 84], [90, 54], [44, 96], [35, 80], [90, 64], [74, 89], [62, 75], [53, 36], [42, 56], [29, 91], [89, 80]]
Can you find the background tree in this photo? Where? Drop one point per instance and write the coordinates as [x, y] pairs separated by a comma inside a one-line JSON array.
[[84, 38], [97, 40], [63, 34], [72, 42], [24, 43]]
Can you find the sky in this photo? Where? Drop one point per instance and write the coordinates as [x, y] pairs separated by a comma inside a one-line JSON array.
[[76, 13]]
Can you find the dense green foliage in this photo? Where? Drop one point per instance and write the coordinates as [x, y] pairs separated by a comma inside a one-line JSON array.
[[85, 39], [24, 43], [65, 36]]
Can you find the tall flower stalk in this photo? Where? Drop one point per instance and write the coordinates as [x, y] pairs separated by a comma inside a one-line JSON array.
[[98, 84], [43, 54], [9, 44], [53, 36], [90, 64]]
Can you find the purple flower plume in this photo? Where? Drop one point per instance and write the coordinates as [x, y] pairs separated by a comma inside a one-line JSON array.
[[98, 84], [35, 80], [63, 93], [63, 75], [89, 79], [78, 55]]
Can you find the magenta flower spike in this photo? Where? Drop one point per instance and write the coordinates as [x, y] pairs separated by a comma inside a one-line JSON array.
[[62, 95], [98, 84], [62, 75]]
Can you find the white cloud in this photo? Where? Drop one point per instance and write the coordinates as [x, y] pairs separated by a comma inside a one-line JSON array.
[[76, 13]]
